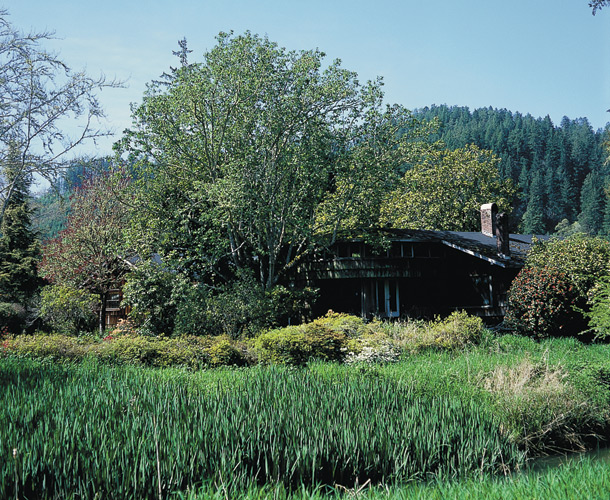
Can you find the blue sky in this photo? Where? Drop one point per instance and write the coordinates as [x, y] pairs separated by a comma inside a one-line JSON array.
[[532, 56]]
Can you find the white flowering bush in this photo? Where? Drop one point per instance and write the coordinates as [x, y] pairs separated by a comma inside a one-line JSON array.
[[380, 352]]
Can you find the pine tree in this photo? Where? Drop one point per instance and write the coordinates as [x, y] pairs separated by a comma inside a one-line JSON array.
[[592, 202], [533, 218], [19, 251]]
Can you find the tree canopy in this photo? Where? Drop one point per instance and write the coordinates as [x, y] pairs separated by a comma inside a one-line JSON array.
[[236, 156], [89, 254], [445, 189]]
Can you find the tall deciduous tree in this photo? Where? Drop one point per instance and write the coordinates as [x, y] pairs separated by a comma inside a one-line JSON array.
[[89, 254], [39, 94], [237, 154], [445, 190]]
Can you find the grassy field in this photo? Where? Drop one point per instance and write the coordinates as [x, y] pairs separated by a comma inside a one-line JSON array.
[[437, 424]]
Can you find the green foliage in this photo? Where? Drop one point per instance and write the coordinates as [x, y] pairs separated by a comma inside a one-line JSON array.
[[90, 253], [593, 201], [148, 290], [284, 153], [238, 308], [599, 313], [54, 347], [533, 221], [155, 352], [457, 330], [325, 339], [541, 303], [68, 310], [272, 426], [167, 303], [549, 163], [12, 317], [550, 295], [51, 214], [346, 324], [224, 352], [570, 478], [19, 247], [582, 258], [117, 349], [445, 189]]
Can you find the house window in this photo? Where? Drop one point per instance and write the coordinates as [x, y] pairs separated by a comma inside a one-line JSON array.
[[113, 300]]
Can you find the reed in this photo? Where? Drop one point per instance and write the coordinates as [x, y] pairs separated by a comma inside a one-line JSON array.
[[126, 432], [577, 480]]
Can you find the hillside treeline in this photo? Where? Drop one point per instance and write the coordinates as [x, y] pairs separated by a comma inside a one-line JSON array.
[[560, 170]]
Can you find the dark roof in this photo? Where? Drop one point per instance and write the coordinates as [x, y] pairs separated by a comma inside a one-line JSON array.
[[473, 243]]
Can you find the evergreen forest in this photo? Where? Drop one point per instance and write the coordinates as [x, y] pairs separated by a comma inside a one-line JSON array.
[[560, 170]]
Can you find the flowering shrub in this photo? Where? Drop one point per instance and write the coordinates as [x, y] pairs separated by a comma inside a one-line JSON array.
[[583, 259], [541, 303], [550, 296], [4, 339], [381, 352]]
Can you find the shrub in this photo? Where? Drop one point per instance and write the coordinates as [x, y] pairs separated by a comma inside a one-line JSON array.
[[238, 308], [541, 302], [372, 348], [583, 259], [296, 345], [148, 291], [551, 294], [457, 330], [12, 317], [56, 347], [224, 351], [599, 313], [351, 326], [192, 352], [68, 310]]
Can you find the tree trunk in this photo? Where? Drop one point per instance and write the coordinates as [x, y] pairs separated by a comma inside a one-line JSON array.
[[102, 317]]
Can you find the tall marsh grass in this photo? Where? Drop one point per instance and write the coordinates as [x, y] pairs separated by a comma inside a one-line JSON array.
[[90, 430]]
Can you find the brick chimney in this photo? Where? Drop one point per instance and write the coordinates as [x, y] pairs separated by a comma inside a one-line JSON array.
[[489, 212]]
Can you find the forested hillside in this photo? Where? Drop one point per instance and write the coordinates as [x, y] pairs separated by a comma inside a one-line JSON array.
[[51, 208], [560, 170]]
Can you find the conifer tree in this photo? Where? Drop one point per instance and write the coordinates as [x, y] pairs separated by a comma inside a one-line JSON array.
[[592, 202], [533, 218], [19, 251]]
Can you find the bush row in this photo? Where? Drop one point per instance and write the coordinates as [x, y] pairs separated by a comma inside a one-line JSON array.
[[334, 337]]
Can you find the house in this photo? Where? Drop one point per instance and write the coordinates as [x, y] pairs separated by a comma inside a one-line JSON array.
[[114, 311], [422, 273]]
